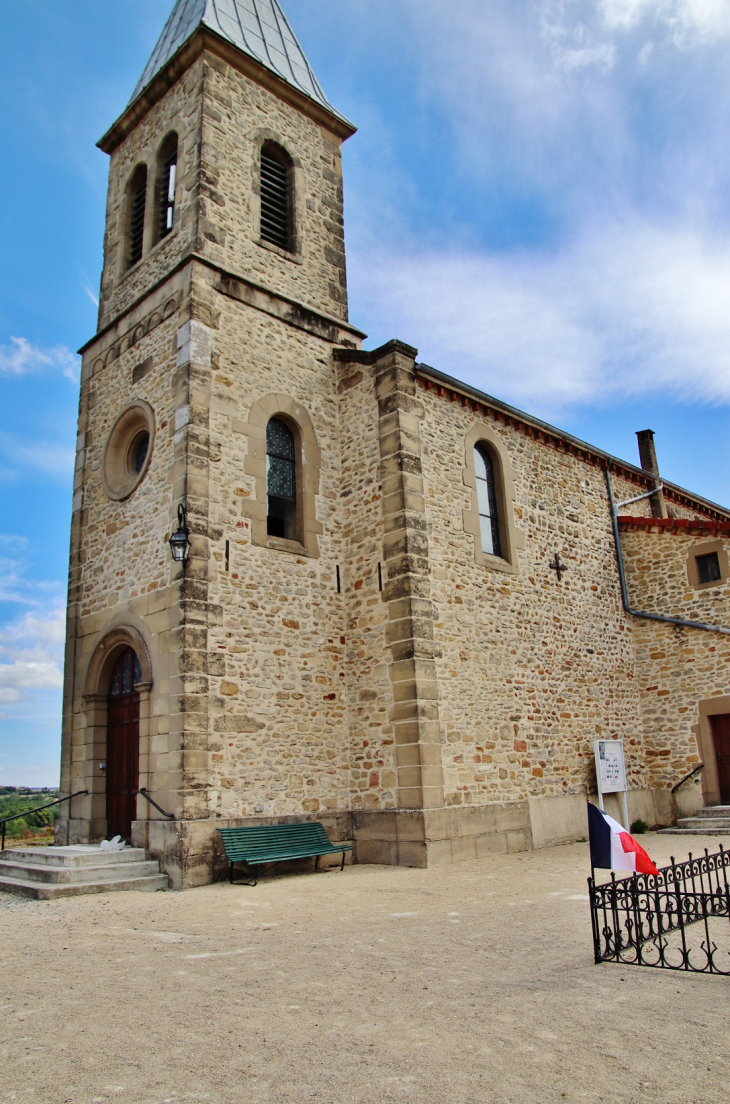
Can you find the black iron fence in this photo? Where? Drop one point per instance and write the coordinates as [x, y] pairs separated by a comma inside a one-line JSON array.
[[678, 920]]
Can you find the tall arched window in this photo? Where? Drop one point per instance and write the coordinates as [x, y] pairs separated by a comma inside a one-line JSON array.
[[166, 183], [136, 200], [281, 481], [487, 499], [276, 196]]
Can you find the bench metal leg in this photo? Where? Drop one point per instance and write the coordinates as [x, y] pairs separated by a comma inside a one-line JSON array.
[[253, 873], [316, 861], [342, 864]]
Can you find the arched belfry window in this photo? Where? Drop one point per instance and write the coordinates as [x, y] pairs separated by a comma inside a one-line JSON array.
[[137, 200], [281, 480], [487, 500], [166, 184], [276, 196]]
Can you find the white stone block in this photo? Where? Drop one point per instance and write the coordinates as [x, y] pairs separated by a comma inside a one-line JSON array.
[[194, 344]]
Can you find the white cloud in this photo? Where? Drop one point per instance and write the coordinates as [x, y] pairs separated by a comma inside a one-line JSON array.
[[626, 309], [31, 655], [689, 22], [15, 587], [21, 358], [569, 96], [625, 14], [90, 293], [45, 456]]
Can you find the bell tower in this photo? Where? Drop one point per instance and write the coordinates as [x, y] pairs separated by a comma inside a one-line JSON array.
[[211, 385]]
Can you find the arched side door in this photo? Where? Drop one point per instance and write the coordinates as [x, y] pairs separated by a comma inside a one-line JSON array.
[[122, 746]]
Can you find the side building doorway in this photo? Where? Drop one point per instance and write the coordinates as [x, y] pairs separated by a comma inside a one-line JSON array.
[[720, 726], [122, 763]]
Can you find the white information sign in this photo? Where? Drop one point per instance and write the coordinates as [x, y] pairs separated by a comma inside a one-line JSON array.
[[610, 768], [611, 772]]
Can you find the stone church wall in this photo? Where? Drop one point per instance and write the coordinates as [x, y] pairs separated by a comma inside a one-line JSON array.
[[279, 741], [533, 670], [180, 110], [370, 692], [120, 573], [238, 115], [684, 673]]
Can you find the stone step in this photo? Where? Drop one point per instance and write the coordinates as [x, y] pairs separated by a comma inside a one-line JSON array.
[[56, 875], [79, 855], [714, 811], [694, 832], [43, 891], [703, 823]]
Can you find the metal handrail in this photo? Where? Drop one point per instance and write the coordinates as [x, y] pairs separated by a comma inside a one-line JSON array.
[[146, 796], [19, 816], [692, 773]]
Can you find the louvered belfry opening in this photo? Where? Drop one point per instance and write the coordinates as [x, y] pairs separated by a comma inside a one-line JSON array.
[[276, 196], [166, 184], [137, 203]]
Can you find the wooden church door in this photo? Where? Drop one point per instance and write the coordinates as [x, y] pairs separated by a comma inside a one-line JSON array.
[[721, 740], [122, 746]]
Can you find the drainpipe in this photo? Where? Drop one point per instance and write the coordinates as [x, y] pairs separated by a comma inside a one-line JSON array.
[[622, 574]]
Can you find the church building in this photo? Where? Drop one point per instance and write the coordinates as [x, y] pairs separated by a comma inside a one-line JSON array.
[[310, 581]]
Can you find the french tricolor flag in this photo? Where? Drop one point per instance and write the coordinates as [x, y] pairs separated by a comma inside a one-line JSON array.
[[612, 848]]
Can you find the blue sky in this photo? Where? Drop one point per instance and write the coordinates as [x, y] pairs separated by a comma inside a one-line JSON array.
[[538, 198]]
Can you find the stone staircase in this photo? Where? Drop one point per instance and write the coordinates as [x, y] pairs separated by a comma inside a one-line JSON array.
[[50, 872], [712, 821]]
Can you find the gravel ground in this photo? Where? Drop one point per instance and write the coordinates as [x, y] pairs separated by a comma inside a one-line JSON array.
[[473, 983]]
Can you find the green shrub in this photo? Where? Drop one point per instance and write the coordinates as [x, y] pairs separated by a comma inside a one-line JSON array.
[[40, 819], [639, 827]]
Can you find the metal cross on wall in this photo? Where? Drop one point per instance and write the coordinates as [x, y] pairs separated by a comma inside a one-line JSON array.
[[558, 567]]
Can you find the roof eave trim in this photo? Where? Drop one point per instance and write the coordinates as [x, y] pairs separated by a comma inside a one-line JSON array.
[[590, 452], [189, 52], [627, 523]]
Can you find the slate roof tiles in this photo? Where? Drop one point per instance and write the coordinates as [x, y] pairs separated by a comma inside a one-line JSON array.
[[257, 27]]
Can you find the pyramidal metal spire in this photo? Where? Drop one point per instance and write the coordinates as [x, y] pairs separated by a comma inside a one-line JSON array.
[[257, 27]]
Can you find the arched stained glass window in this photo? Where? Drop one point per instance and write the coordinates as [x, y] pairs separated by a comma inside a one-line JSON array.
[[487, 499], [281, 481], [127, 674]]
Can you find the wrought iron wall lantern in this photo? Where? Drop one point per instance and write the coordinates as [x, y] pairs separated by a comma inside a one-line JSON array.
[[180, 541]]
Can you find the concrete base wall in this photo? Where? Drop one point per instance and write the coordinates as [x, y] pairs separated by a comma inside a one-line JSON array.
[[556, 820], [689, 799], [191, 853], [433, 837]]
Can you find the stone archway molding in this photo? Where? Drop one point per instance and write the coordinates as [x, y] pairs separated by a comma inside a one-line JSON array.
[[113, 640], [297, 417], [512, 538]]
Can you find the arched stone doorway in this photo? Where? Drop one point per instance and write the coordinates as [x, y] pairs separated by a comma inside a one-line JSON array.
[[117, 698], [122, 744]]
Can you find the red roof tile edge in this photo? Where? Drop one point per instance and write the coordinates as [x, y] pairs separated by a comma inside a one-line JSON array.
[[628, 524]]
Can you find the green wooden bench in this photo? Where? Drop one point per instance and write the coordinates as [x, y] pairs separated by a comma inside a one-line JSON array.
[[275, 843]]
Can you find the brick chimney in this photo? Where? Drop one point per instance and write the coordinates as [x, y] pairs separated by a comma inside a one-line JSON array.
[[647, 456]]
